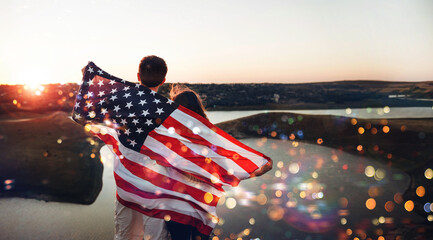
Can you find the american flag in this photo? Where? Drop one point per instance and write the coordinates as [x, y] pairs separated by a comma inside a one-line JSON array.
[[170, 162]]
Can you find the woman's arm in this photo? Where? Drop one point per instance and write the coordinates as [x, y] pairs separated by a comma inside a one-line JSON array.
[[265, 168]]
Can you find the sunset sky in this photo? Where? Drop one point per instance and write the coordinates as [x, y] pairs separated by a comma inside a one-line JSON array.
[[220, 41]]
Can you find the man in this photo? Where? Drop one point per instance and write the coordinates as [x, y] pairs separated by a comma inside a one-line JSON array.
[[130, 224]]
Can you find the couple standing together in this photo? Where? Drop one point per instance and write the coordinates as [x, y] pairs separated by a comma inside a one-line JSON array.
[[131, 224]]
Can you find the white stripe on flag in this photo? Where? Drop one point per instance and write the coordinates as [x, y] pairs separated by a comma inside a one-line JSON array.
[[214, 138]]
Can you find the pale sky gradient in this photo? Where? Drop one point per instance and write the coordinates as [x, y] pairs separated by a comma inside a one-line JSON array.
[[219, 41]]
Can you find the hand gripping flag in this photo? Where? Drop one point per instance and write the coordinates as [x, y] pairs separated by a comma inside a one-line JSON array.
[[169, 161]]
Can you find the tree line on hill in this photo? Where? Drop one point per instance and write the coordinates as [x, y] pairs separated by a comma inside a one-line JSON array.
[[60, 97]]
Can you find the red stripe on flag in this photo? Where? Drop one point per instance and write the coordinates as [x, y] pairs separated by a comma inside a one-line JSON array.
[[174, 216], [183, 151], [185, 132]]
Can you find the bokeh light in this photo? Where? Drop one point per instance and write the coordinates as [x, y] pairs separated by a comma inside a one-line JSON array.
[[294, 168], [409, 205], [348, 111], [420, 191], [370, 171], [370, 204], [379, 174], [389, 206], [230, 203], [428, 173]]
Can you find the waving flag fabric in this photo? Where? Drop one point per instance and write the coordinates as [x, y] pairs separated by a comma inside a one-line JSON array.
[[170, 162]]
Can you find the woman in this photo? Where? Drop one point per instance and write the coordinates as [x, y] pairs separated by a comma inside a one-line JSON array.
[[191, 100]]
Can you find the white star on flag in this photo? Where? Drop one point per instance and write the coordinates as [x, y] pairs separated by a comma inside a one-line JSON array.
[[140, 93], [148, 122], [169, 101], [133, 143], [101, 93], [123, 121], [116, 108], [127, 95], [89, 104], [131, 115], [135, 121], [156, 101], [126, 88], [145, 113], [100, 72], [114, 90], [127, 132], [129, 105], [77, 105], [139, 130], [159, 111], [100, 83], [104, 111], [142, 102], [153, 92], [101, 102], [90, 70], [114, 97]]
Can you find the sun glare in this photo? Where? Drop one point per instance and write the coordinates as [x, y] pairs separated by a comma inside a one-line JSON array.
[[34, 88], [33, 80]]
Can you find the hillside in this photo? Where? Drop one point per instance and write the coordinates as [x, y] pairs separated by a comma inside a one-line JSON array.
[[19, 99]]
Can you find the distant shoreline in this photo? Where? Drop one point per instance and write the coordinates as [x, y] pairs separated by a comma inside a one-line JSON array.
[[224, 97]]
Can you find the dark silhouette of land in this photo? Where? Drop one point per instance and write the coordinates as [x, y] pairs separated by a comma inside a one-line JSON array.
[[49, 158], [16, 100]]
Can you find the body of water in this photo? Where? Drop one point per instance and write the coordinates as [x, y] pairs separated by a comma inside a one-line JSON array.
[[366, 113], [313, 192]]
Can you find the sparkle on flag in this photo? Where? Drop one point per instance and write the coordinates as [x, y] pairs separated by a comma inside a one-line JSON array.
[[169, 161]]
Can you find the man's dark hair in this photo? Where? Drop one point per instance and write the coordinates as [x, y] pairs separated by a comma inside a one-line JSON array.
[[152, 71]]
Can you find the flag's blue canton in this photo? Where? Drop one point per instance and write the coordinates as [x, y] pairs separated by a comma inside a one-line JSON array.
[[132, 109]]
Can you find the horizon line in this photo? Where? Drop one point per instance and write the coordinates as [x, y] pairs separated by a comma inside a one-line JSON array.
[[241, 83]]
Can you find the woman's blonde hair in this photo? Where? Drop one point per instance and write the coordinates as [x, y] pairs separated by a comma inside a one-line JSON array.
[[188, 98]]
